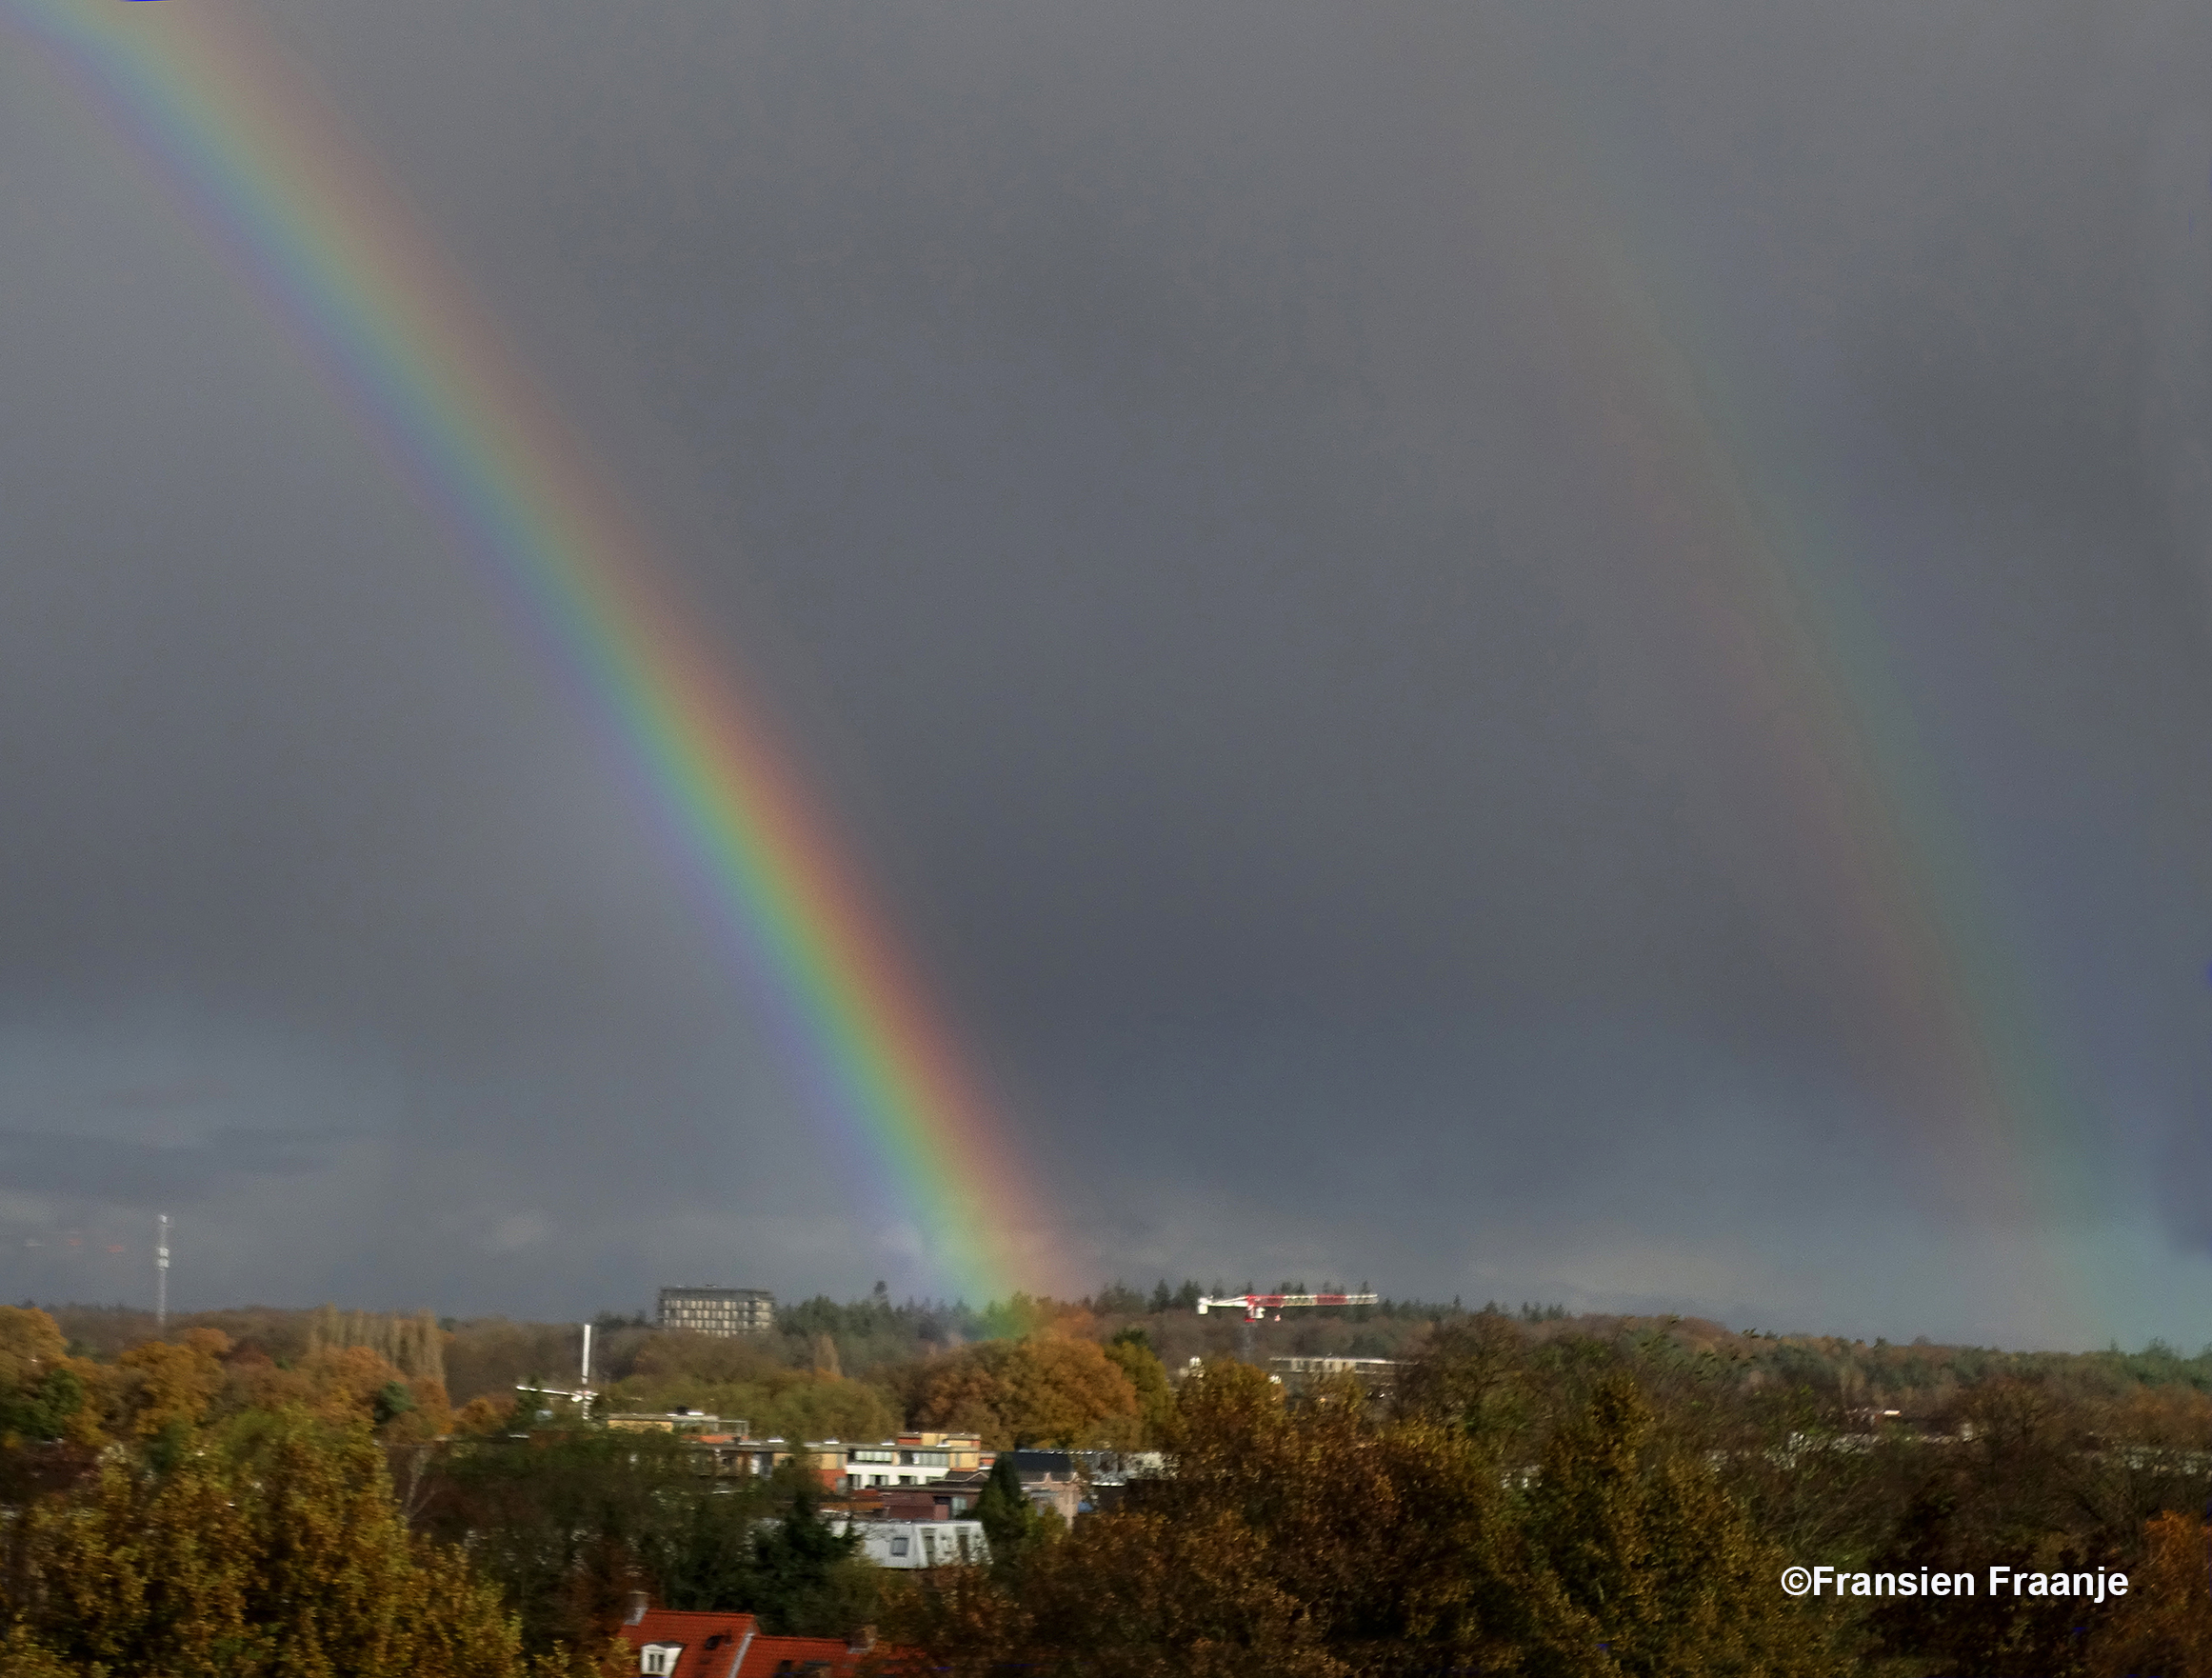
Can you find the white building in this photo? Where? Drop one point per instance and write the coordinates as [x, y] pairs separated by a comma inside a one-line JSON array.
[[908, 1545], [889, 1463]]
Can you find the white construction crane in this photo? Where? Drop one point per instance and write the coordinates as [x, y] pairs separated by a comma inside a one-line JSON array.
[[1257, 1306]]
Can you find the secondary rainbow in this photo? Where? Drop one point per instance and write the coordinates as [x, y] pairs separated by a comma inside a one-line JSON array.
[[1758, 564], [237, 133]]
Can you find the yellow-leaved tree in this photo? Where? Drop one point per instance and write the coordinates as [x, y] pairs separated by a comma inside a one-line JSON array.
[[274, 1549], [45, 1394]]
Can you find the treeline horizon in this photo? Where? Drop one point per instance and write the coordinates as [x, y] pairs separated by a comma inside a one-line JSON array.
[[857, 1368]]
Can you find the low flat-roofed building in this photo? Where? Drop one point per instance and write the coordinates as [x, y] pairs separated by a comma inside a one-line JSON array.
[[1377, 1377], [961, 1450], [911, 1459], [724, 1311], [920, 1545], [678, 1421]]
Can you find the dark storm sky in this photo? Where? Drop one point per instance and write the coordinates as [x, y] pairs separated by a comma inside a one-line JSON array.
[[1144, 458]]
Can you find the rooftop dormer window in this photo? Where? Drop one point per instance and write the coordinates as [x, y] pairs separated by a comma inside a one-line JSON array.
[[658, 1659]]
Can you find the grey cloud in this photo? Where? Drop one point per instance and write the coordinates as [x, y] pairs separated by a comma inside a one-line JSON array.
[[1139, 455], [150, 1175]]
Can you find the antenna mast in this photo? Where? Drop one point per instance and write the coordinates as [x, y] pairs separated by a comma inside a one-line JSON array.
[[161, 1273]]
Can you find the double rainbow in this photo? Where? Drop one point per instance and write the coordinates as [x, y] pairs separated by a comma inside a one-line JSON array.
[[237, 133]]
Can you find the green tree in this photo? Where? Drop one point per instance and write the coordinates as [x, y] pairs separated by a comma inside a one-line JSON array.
[[44, 1410], [809, 1578], [1012, 1525], [1130, 1352], [566, 1521], [1473, 1375], [45, 1394], [1658, 1558], [704, 1556]]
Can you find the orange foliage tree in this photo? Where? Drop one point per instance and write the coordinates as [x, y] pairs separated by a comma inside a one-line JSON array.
[[1042, 1391], [2163, 1623], [167, 1384]]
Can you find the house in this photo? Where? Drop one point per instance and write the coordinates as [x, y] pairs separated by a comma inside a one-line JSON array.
[[1107, 1474], [671, 1644], [962, 1450], [920, 1545], [911, 1459], [941, 1500], [1052, 1480]]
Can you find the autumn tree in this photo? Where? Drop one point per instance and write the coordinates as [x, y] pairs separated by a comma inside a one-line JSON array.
[[45, 1394], [2163, 1623], [31, 1347], [169, 1385], [1130, 1596], [744, 1377], [1319, 1536], [1656, 1555], [1311, 1540], [340, 1384], [274, 1550], [1394, 1537], [1474, 1376], [1042, 1390], [414, 1346]]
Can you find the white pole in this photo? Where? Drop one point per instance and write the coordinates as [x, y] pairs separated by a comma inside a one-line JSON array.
[[161, 1273], [586, 1381]]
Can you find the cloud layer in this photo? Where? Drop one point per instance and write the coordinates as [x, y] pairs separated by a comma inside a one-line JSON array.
[[1153, 465]]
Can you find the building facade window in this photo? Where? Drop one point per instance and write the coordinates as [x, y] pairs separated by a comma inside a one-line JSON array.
[[723, 1312]]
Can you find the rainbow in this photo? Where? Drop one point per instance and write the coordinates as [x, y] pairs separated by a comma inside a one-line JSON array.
[[239, 134], [1759, 578]]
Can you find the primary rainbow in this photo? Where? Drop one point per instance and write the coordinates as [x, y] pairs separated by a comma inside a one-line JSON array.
[[238, 134]]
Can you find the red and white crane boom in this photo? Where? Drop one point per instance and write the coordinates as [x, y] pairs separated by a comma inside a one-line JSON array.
[[1257, 1306]]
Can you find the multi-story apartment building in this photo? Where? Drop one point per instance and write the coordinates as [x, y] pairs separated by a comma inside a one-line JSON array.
[[911, 1459], [725, 1311]]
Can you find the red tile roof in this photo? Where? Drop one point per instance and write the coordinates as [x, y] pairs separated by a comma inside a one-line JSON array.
[[711, 1644], [801, 1657]]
